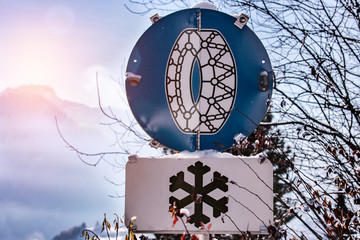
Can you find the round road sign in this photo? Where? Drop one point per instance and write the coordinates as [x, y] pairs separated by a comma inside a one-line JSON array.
[[195, 80]]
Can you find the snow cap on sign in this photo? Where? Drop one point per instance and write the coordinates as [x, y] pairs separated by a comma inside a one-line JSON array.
[[205, 5], [200, 154]]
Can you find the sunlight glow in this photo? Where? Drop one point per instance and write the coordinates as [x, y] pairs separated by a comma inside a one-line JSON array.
[[34, 60]]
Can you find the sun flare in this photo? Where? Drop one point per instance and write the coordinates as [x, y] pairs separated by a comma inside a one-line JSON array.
[[34, 60]]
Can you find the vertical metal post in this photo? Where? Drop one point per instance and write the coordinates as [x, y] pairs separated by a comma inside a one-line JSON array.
[[198, 131], [198, 140], [199, 20]]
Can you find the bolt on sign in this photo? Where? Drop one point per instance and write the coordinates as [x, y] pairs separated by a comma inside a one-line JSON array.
[[197, 78], [228, 192]]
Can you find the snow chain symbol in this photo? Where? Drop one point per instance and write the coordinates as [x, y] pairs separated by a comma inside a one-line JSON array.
[[213, 55], [199, 194]]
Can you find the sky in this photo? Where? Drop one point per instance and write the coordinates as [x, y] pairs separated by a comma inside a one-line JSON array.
[[62, 44]]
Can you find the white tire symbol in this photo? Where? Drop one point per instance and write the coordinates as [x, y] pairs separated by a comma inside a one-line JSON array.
[[217, 81]]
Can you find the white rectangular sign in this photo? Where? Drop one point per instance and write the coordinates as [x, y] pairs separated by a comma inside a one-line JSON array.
[[229, 192]]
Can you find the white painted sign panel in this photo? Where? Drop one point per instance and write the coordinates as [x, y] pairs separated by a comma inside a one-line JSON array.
[[234, 192]]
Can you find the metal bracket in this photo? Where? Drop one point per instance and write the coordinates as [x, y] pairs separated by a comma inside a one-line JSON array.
[[242, 20]]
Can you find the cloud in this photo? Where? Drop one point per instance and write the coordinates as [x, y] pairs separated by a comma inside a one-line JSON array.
[[59, 19], [35, 236]]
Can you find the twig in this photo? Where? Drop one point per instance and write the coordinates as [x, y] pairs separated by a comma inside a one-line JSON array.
[[80, 153], [256, 174], [248, 209]]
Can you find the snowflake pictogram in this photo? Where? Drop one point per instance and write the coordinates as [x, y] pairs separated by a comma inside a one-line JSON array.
[[199, 193]]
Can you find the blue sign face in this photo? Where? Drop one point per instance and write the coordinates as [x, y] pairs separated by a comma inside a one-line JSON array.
[[195, 80]]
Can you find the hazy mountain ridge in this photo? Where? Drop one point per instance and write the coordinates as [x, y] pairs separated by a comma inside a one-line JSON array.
[[73, 233], [47, 187], [35, 100]]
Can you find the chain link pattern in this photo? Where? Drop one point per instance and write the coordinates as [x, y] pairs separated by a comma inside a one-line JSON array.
[[217, 81]]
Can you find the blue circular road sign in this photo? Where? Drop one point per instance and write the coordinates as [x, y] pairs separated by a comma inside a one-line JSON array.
[[197, 78]]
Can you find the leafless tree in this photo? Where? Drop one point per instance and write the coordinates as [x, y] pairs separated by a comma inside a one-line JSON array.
[[315, 51]]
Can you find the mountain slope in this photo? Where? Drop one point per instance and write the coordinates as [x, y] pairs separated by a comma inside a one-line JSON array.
[[47, 188]]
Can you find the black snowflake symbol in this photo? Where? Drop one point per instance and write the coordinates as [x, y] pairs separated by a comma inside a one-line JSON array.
[[199, 193]]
